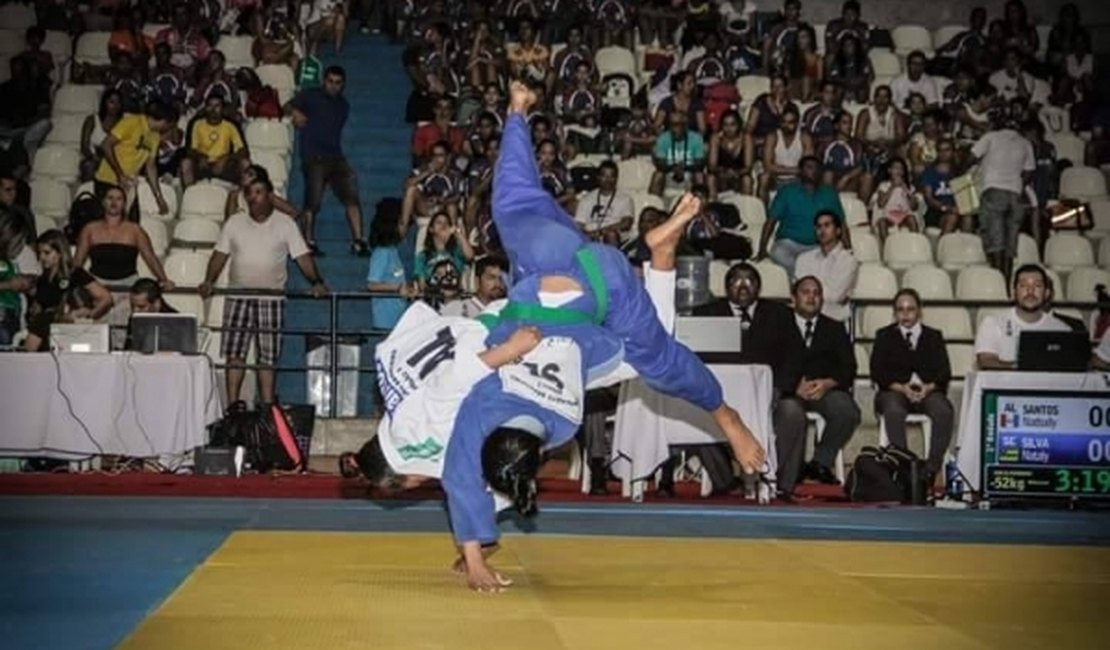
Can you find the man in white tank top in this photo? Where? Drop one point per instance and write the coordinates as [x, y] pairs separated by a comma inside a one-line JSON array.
[[782, 151]]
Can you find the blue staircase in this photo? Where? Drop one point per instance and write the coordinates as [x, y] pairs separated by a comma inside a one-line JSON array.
[[376, 142]]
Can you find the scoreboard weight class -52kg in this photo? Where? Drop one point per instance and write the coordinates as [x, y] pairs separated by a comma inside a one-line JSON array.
[[1046, 444]]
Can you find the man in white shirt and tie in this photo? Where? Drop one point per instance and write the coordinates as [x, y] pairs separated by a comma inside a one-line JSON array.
[[489, 280], [605, 214], [996, 341], [835, 266]]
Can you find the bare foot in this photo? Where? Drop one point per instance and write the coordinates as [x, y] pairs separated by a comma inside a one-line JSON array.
[[668, 233], [749, 453], [459, 566], [521, 98]]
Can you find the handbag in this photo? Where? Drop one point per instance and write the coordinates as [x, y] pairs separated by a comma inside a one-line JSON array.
[[1069, 214], [966, 192]]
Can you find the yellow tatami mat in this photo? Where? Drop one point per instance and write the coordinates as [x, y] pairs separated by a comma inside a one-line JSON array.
[[290, 590]]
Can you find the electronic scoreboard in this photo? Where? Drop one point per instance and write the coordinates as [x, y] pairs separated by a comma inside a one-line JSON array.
[[1046, 444]]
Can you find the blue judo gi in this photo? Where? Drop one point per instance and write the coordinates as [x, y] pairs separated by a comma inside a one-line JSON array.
[[618, 321]]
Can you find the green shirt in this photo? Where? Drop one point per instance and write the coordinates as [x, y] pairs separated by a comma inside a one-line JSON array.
[[9, 299]]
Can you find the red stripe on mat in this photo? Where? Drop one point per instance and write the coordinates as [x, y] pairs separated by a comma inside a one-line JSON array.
[[328, 486]]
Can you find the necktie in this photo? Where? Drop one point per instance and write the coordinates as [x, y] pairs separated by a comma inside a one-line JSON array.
[[809, 333], [909, 340], [745, 319]]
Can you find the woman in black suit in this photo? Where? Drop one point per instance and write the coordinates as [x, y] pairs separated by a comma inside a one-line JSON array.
[[909, 364]]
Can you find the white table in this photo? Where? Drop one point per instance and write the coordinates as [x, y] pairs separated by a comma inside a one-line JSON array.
[[120, 403], [969, 438], [648, 423]]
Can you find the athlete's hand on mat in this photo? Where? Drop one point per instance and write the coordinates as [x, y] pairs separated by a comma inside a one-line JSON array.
[[483, 579], [525, 339]]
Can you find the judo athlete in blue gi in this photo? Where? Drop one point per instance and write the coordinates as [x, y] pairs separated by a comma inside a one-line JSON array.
[[593, 313]]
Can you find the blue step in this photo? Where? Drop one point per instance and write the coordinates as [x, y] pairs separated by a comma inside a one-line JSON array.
[[376, 142]]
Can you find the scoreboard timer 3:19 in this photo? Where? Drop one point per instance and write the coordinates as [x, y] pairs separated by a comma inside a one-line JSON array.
[[1046, 444]]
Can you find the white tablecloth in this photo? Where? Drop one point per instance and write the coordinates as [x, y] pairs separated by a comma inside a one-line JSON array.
[[130, 404], [649, 422], [969, 439]]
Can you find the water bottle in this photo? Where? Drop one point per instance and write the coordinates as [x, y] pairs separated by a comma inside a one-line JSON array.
[[953, 483]]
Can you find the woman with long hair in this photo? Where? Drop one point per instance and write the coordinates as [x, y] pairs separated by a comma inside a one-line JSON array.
[[683, 99], [443, 241], [96, 128], [727, 169], [113, 245], [850, 69], [804, 65], [765, 115], [387, 271], [60, 277]]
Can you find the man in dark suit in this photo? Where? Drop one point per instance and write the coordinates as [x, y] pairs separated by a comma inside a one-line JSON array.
[[764, 323], [909, 364], [820, 368]]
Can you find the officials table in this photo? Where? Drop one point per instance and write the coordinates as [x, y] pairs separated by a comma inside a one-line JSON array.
[[71, 405], [648, 423], [969, 447]]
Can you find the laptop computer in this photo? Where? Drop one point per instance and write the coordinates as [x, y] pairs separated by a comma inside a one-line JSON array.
[[153, 333], [708, 333], [79, 337], [1054, 351]]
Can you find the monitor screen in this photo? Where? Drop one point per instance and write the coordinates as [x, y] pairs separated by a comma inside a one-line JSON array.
[[152, 333], [1046, 444]]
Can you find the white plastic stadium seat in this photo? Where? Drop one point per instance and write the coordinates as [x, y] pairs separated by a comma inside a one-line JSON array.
[[872, 319], [1104, 253], [752, 211], [193, 233], [885, 63], [236, 51], [961, 356], [275, 165], [954, 322], [59, 44], [269, 135], [615, 60], [148, 206], [641, 200], [280, 77], [1085, 183], [958, 250], [76, 100], [92, 48], [865, 246], [204, 201], [903, 250], [874, 282], [57, 162], [775, 283], [159, 237], [1027, 252], [1100, 214], [11, 43], [66, 130], [946, 33], [752, 86], [50, 198], [929, 282], [186, 268], [980, 283], [1082, 283], [855, 212], [17, 17], [908, 38], [718, 269], [634, 174], [1067, 251], [1069, 147]]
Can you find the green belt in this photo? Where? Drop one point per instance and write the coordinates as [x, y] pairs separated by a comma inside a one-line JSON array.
[[516, 311]]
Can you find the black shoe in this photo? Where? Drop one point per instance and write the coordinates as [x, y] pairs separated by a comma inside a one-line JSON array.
[[599, 477], [817, 472], [359, 248]]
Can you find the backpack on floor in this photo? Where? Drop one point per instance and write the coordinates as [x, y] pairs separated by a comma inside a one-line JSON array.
[[887, 474], [266, 435]]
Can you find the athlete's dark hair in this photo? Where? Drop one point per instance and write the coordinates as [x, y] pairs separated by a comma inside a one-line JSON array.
[[510, 461], [370, 461]]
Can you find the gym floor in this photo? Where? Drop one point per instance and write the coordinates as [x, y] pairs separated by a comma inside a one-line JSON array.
[[170, 573]]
